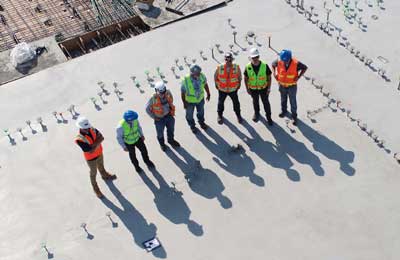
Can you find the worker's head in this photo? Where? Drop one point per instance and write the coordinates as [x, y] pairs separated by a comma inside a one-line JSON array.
[[130, 115], [285, 56], [254, 56], [228, 57], [195, 70], [160, 88], [83, 124]]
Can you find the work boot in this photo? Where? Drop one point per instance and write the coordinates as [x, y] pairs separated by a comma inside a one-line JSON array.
[[203, 126], [256, 117], [269, 119], [194, 129], [174, 143], [150, 164], [98, 193], [282, 114], [239, 119], [163, 147], [138, 169], [220, 119], [109, 177], [295, 121]]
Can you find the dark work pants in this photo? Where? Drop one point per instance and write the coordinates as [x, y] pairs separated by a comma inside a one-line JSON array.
[[263, 94], [291, 93], [168, 122], [132, 154], [235, 100]]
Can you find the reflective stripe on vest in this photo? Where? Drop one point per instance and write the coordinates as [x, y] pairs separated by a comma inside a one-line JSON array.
[[260, 80], [87, 139], [228, 82], [131, 134], [287, 77], [157, 106], [190, 95]]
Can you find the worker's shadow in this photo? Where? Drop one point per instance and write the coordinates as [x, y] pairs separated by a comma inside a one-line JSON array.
[[140, 229], [267, 151], [201, 180], [328, 148], [170, 203], [238, 163], [295, 149]]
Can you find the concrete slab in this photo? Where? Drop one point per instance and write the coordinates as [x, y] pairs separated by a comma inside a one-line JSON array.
[[322, 191]]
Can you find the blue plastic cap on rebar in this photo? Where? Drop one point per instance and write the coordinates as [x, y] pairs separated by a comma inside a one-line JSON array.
[[130, 115], [285, 55]]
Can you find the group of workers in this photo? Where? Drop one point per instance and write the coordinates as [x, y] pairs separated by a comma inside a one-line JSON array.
[[194, 91]]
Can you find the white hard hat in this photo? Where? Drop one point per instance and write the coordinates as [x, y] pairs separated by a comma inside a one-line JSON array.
[[254, 52], [160, 87], [83, 123]]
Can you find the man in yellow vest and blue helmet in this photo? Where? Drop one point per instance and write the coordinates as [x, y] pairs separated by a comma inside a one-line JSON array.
[[287, 71], [161, 108], [194, 85], [257, 78], [130, 136]]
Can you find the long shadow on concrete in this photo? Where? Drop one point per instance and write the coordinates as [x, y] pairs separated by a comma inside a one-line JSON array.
[[328, 148], [171, 204], [201, 180], [140, 229], [265, 150], [238, 164], [297, 150]]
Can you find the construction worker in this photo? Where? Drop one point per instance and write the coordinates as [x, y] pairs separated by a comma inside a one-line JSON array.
[[227, 79], [161, 108], [257, 78], [192, 94], [287, 71], [89, 140], [130, 136]]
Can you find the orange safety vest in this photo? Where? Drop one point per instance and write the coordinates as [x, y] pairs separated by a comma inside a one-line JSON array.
[[157, 107], [287, 78], [228, 82], [87, 139]]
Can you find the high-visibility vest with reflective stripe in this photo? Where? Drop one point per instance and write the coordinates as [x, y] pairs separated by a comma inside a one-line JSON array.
[[157, 107], [131, 134], [287, 77], [190, 95], [258, 81], [87, 139], [228, 82]]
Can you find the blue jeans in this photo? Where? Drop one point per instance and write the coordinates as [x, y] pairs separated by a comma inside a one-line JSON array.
[[168, 122], [200, 113], [291, 92]]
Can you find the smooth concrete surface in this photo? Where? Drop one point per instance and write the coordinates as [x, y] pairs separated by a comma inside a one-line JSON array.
[[322, 191]]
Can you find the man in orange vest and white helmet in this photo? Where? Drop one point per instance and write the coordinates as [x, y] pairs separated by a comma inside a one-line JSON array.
[[228, 79], [287, 71], [89, 140], [162, 109]]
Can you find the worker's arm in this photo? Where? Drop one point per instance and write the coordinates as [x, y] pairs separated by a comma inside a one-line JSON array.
[[120, 137], [216, 78], [183, 91], [302, 69], [269, 73], [240, 77], [148, 109], [207, 91], [140, 131], [274, 65], [97, 142]]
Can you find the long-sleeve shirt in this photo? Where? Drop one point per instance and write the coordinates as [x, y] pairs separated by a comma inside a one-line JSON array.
[[120, 134]]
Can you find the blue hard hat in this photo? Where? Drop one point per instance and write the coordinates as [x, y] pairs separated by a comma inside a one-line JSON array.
[[130, 115], [285, 55]]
